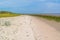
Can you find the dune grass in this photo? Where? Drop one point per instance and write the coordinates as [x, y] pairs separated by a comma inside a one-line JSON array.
[[8, 14], [49, 17]]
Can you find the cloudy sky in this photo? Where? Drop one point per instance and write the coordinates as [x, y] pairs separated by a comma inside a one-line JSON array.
[[30, 6]]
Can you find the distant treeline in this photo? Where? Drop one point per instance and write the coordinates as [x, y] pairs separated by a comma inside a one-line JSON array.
[[3, 12]]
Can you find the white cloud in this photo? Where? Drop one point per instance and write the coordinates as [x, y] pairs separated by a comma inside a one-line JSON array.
[[52, 5], [42, 0], [15, 3]]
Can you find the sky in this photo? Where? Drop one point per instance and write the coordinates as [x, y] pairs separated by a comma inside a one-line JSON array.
[[30, 6]]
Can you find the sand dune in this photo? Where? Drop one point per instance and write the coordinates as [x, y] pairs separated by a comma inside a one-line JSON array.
[[26, 27]]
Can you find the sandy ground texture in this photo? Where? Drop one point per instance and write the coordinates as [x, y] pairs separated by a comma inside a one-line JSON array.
[[26, 27], [52, 23]]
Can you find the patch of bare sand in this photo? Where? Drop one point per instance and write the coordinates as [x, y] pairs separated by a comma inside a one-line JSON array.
[[27, 27], [52, 23], [43, 31]]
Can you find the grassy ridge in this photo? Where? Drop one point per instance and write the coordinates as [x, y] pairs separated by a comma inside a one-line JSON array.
[[8, 14], [56, 18]]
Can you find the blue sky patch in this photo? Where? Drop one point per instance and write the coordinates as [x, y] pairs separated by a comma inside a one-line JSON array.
[[30, 6]]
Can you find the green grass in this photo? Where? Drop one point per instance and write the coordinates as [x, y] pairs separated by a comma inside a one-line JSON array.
[[56, 18], [8, 14]]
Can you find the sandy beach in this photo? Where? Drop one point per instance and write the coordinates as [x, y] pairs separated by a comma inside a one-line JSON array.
[[27, 27]]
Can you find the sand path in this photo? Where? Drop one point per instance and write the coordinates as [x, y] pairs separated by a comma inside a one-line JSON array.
[[27, 27]]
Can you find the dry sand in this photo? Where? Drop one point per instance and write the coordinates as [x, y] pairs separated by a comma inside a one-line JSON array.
[[27, 27], [52, 23]]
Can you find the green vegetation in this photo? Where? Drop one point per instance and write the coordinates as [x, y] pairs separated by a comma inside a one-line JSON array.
[[8, 14], [5, 23], [49, 17]]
